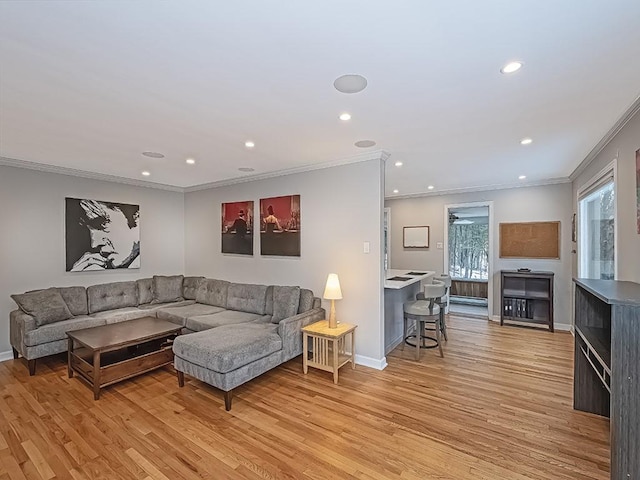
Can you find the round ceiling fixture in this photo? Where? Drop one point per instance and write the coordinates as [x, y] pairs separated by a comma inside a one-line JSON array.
[[190, 161], [430, 187], [146, 174], [511, 67], [345, 116], [350, 83], [247, 169], [398, 164], [153, 154], [364, 143], [249, 144], [396, 191], [526, 141], [522, 177]]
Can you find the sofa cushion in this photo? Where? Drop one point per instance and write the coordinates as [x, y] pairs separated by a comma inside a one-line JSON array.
[[268, 306], [213, 292], [53, 332], [306, 300], [179, 315], [225, 317], [190, 287], [167, 289], [45, 306], [228, 348], [145, 290], [123, 314], [285, 302], [246, 297], [76, 299], [152, 307], [109, 296]]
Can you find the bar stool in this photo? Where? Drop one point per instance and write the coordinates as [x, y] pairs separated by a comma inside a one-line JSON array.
[[425, 310], [444, 301]]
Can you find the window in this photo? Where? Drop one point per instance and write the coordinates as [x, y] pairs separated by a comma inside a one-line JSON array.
[[596, 231], [468, 249]]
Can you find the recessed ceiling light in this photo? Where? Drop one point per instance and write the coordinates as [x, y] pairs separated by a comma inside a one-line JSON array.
[[522, 177], [146, 174], [246, 169], [350, 83], [396, 191], [364, 143], [190, 161], [345, 116], [153, 154], [398, 164], [511, 67], [526, 141], [249, 144], [430, 187]]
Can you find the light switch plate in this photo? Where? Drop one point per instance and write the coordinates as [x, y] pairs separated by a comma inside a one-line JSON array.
[[366, 248], [439, 245]]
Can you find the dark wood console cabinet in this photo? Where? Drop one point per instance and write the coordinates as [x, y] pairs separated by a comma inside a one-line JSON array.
[[606, 377], [526, 298]]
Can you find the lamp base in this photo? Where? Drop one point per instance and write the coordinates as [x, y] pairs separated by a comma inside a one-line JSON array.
[[333, 323]]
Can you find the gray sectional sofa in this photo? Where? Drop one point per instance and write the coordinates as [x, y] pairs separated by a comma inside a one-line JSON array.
[[232, 332]]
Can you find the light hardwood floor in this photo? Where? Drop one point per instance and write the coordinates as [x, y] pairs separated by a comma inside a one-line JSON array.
[[498, 406]]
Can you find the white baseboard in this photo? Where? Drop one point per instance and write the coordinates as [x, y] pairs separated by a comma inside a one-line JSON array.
[[8, 355], [394, 344], [378, 364]]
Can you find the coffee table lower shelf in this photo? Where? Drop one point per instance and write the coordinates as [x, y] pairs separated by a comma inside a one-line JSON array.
[[109, 364], [83, 361]]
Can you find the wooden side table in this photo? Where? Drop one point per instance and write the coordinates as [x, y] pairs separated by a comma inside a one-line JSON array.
[[328, 350]]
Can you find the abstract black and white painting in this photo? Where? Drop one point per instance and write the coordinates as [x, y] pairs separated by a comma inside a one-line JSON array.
[[101, 235]]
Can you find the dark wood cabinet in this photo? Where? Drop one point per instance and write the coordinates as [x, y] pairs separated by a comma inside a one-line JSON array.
[[606, 379], [526, 298]]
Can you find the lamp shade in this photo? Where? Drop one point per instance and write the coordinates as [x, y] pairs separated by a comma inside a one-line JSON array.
[[332, 289]]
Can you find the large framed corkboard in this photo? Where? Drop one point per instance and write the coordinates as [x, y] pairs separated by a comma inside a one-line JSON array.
[[530, 240]]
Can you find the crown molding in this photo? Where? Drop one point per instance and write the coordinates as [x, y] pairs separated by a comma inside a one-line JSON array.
[[595, 151], [41, 167], [483, 188], [362, 157]]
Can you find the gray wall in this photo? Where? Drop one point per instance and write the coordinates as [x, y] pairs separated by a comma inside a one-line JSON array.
[[623, 146], [32, 236], [526, 204], [341, 207]]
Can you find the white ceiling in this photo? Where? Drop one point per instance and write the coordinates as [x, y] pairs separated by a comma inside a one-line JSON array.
[[91, 85]]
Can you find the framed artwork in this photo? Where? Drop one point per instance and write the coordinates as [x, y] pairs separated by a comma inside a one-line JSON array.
[[280, 226], [415, 237], [101, 235], [237, 228], [638, 189], [574, 235]]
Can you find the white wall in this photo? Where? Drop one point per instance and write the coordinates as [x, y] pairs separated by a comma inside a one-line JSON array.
[[623, 147], [32, 249], [341, 207], [527, 204]]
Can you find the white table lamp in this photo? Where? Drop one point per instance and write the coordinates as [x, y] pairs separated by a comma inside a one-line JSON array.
[[332, 292]]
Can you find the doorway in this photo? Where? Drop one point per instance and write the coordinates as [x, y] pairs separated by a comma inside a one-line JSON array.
[[468, 252]]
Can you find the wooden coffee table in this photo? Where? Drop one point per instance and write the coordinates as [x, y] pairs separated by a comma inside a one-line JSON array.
[[111, 353]]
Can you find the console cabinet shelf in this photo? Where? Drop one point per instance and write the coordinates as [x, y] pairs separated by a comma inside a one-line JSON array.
[[526, 298], [606, 379]]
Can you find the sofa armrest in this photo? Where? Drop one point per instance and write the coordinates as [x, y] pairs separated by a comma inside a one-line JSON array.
[[19, 324], [290, 331]]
